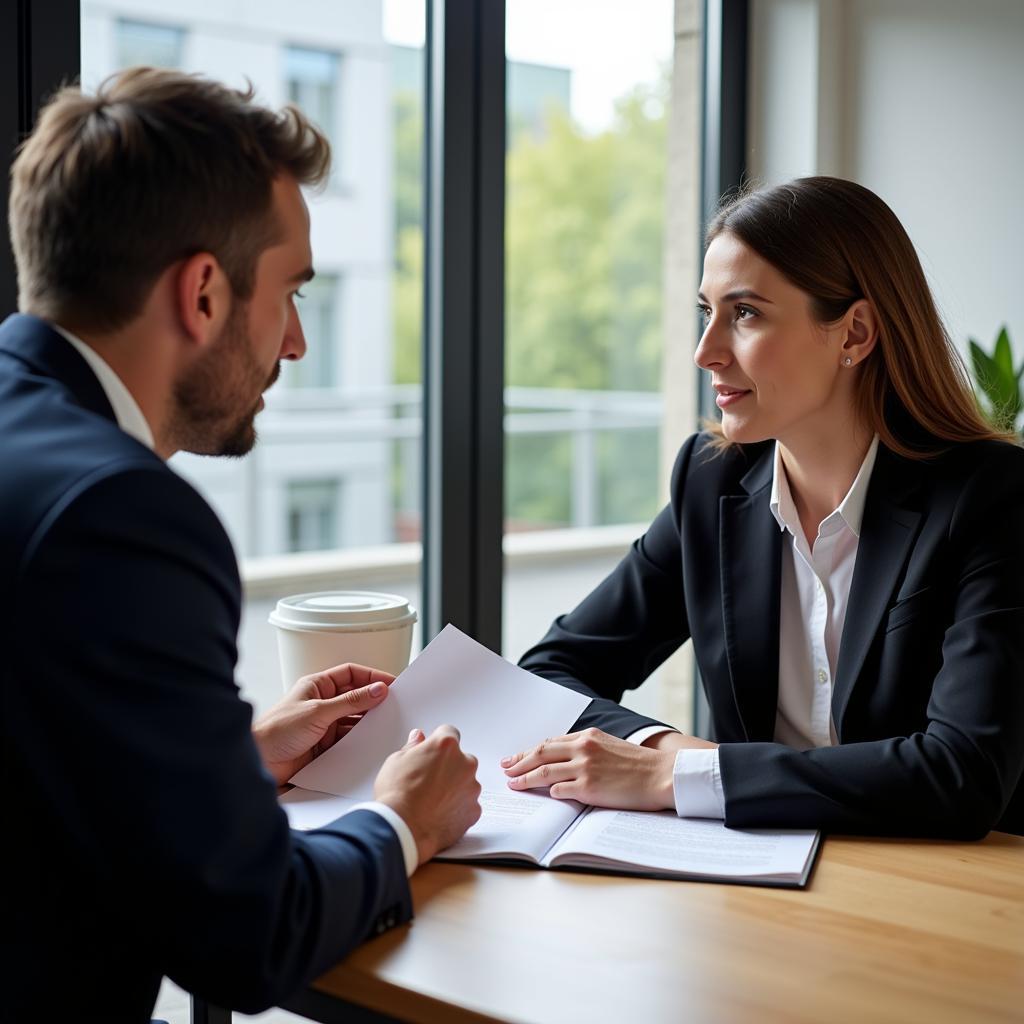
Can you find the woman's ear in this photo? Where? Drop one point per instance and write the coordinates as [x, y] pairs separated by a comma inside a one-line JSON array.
[[203, 297], [860, 333]]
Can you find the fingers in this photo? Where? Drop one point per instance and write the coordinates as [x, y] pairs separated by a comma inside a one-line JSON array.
[[352, 702], [336, 680], [445, 734], [548, 752], [567, 791], [545, 775], [514, 759]]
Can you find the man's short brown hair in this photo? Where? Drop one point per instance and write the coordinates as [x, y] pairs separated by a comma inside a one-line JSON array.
[[112, 189]]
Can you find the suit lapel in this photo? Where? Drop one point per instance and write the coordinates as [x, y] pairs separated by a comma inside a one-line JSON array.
[[751, 551], [38, 345], [887, 534]]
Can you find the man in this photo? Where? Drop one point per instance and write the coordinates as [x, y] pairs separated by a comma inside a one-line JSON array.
[[160, 236]]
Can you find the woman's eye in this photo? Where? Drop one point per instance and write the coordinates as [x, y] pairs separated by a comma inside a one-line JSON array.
[[299, 295], [704, 312], [745, 312]]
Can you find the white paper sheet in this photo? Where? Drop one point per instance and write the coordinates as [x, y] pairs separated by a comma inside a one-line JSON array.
[[498, 708], [512, 825], [308, 809], [662, 841]]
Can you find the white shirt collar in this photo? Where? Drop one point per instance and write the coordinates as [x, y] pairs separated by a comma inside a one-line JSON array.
[[126, 409], [850, 510]]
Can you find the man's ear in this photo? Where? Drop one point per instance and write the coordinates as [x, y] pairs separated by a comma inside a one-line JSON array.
[[861, 333], [203, 297]]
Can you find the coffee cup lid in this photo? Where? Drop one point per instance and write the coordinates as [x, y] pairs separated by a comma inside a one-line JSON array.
[[356, 610]]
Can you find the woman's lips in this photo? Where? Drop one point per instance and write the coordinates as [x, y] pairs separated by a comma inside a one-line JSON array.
[[729, 396]]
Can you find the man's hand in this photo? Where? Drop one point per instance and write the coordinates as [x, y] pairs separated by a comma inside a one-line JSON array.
[[432, 784], [315, 713], [599, 769]]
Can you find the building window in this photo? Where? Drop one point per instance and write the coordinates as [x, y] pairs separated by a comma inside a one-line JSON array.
[[319, 315], [312, 515], [312, 78], [140, 42]]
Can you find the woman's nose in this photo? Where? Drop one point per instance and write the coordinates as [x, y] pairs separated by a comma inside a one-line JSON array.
[[711, 352]]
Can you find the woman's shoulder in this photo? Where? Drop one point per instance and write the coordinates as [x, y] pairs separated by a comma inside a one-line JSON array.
[[709, 463], [985, 458], [964, 479]]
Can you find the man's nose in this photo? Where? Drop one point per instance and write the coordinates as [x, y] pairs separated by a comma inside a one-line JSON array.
[[294, 344]]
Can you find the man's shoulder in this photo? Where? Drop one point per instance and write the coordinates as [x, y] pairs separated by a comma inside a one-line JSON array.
[[138, 504], [71, 469]]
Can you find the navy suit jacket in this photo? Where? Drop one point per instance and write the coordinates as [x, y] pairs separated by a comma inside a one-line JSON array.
[[928, 700], [144, 835]]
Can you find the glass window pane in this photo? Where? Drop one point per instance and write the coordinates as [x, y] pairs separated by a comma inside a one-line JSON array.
[[313, 510], [312, 82], [141, 42], [586, 206], [336, 469], [322, 323]]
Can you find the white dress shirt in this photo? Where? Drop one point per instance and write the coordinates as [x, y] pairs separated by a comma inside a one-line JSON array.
[[131, 420], [814, 598], [126, 409]]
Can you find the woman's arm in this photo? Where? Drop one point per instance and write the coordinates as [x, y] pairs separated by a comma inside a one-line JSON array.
[[625, 628], [960, 773]]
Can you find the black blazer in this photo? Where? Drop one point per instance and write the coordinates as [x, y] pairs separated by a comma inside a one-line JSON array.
[[928, 700], [144, 836]]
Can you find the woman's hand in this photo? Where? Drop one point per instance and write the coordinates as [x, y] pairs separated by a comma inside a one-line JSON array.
[[596, 768], [315, 713]]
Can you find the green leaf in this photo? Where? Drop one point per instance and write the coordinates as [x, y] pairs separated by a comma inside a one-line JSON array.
[[1002, 355], [986, 373], [996, 379]]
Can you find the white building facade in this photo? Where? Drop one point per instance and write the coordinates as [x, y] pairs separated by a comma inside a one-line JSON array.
[[321, 476]]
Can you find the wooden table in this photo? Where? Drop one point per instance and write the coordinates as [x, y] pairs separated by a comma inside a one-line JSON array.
[[887, 930]]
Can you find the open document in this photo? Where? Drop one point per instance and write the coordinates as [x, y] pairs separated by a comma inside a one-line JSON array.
[[500, 709]]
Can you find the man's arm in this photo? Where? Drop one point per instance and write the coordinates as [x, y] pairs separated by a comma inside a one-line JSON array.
[[152, 767]]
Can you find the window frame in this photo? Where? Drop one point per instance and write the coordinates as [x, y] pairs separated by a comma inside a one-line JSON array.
[[463, 349]]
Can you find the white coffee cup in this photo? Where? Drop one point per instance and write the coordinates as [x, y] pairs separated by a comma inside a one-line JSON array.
[[320, 630]]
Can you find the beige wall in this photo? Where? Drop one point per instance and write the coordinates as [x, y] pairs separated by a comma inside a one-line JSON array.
[[919, 100]]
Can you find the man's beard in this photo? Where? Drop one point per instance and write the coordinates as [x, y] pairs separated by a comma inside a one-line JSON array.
[[213, 414]]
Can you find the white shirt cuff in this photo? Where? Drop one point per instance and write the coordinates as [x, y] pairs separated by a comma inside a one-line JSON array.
[[404, 833], [697, 784], [646, 733]]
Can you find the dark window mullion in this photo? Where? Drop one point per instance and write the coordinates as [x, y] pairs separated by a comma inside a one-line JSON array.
[[723, 169], [36, 58], [464, 317]]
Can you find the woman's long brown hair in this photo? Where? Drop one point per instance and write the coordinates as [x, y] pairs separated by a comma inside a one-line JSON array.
[[838, 242]]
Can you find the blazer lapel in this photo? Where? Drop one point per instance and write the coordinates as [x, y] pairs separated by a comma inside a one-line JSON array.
[[38, 345], [750, 543], [887, 534]]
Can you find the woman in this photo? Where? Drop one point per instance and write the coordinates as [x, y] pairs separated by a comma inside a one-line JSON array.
[[846, 551]]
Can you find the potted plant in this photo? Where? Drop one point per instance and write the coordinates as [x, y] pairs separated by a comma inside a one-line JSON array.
[[997, 382]]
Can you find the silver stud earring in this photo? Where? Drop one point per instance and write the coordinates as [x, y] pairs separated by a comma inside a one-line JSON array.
[[847, 361]]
